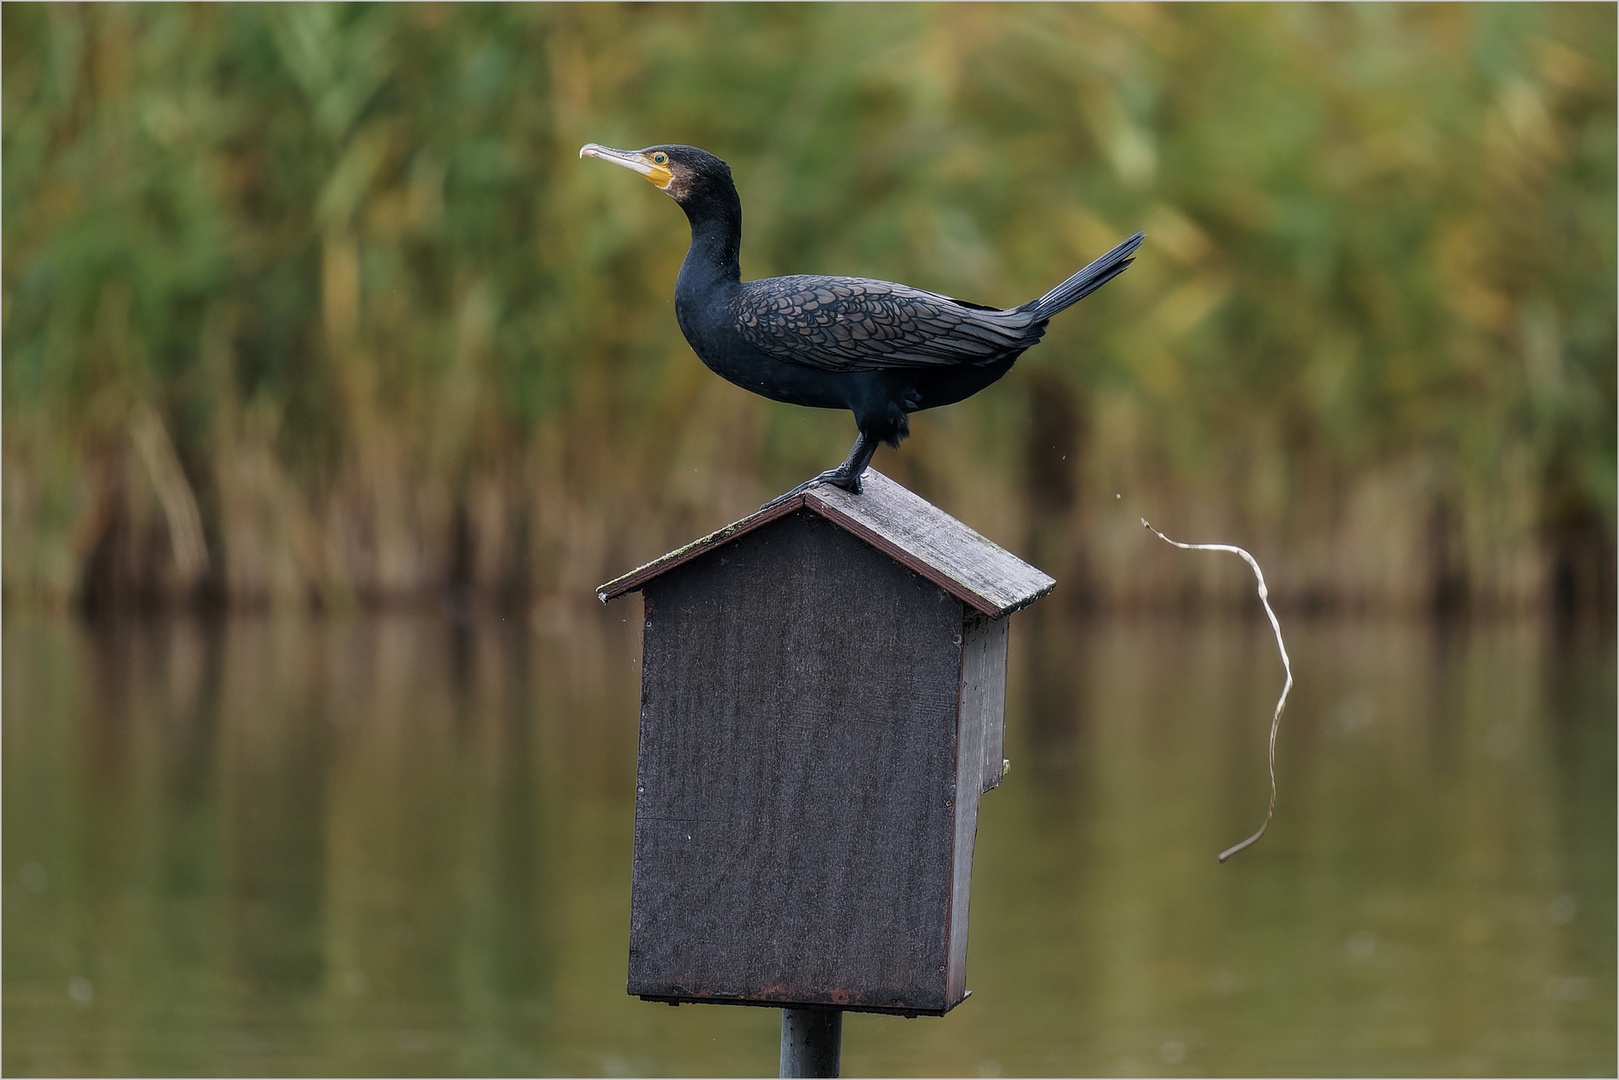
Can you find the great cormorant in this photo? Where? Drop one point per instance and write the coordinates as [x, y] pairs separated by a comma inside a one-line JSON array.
[[877, 348]]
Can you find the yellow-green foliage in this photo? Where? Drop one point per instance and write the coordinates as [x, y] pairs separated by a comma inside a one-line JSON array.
[[313, 301]]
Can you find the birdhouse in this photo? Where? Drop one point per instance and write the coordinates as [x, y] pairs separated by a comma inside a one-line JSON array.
[[823, 691]]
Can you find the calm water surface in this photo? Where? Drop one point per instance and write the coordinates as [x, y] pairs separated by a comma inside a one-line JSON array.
[[401, 845]]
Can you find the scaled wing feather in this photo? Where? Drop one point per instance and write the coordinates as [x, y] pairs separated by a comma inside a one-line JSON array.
[[854, 324]]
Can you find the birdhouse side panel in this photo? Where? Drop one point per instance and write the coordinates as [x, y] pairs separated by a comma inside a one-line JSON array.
[[983, 690], [796, 776], [978, 763]]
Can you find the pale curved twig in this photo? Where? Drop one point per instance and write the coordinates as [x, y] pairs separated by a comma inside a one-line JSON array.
[[1276, 719]]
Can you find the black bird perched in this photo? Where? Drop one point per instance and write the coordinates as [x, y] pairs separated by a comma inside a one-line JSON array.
[[880, 349]]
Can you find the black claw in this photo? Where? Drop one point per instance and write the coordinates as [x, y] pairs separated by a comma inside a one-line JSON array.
[[783, 497], [845, 476], [834, 477]]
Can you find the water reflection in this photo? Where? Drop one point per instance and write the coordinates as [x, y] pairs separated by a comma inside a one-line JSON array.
[[401, 845]]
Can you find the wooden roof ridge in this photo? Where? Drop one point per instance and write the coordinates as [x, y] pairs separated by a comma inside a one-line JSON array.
[[901, 524]]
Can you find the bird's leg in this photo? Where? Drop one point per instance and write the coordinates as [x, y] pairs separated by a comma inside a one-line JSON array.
[[845, 476]]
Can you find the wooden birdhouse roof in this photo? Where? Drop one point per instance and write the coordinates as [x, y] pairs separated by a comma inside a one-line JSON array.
[[901, 524]]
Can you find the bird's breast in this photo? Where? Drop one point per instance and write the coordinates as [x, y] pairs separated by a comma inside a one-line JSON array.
[[710, 329]]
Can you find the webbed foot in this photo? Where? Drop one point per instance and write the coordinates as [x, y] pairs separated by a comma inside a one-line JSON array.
[[845, 476], [834, 477]]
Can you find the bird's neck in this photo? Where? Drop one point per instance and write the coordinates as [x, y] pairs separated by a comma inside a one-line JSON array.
[[716, 241]]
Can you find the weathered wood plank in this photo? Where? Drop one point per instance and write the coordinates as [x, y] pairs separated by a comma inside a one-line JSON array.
[[983, 688], [966, 564], [628, 583], [978, 738], [908, 528]]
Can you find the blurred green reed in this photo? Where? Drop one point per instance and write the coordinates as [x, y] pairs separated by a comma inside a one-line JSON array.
[[315, 303]]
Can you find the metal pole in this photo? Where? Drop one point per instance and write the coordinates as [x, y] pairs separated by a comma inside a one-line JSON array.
[[811, 1041]]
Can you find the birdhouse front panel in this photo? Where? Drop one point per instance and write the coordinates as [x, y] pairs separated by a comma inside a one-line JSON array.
[[797, 833]]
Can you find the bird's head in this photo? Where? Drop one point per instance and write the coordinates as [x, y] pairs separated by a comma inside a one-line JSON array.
[[684, 173]]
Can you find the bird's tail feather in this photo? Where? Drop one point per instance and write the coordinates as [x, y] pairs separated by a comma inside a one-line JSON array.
[[1088, 280]]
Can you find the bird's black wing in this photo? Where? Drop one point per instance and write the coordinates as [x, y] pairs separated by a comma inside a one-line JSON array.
[[855, 324]]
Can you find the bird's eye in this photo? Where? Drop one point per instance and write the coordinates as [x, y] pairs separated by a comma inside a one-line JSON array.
[[660, 159]]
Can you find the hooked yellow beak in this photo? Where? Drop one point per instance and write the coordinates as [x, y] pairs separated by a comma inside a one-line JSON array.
[[635, 160]]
